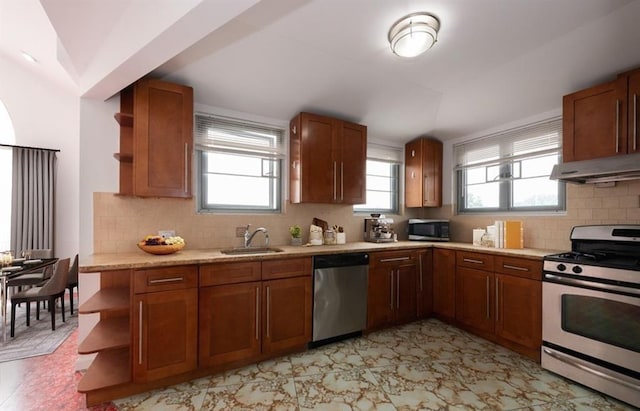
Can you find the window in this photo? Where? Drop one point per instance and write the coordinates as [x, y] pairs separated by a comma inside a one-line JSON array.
[[7, 136], [510, 171], [383, 170], [239, 165]]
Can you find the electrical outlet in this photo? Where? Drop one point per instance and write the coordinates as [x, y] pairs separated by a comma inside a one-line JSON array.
[[240, 231]]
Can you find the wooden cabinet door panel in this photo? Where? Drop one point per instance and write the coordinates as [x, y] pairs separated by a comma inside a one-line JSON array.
[[633, 101], [594, 122], [163, 136], [432, 173], [413, 173], [474, 302], [444, 282], [352, 163], [406, 297], [425, 283], [519, 310], [286, 310], [379, 297], [165, 334], [318, 173], [229, 323]]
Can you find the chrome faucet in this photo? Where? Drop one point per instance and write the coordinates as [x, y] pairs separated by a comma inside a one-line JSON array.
[[249, 237]]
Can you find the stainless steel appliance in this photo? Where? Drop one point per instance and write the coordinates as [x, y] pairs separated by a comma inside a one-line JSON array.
[[339, 296], [378, 229], [428, 230], [591, 310]]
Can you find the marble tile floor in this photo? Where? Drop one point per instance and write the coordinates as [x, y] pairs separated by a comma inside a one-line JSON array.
[[426, 365]]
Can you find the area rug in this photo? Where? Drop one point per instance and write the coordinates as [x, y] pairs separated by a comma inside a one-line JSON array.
[[37, 339]]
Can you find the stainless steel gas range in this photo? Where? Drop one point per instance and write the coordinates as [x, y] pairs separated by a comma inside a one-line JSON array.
[[591, 310]]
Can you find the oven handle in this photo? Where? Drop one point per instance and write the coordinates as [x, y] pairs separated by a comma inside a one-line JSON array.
[[582, 366], [584, 283]]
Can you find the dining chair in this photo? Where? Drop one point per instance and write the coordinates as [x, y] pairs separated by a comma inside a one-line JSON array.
[[37, 278], [53, 289], [72, 282]]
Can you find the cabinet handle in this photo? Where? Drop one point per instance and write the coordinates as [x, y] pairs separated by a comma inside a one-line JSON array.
[[413, 174], [487, 297], [294, 129], [268, 309], [635, 122], [413, 153], [472, 261], [186, 167], [398, 289], [335, 180], [257, 313], [391, 290], [140, 333], [420, 268], [514, 267], [497, 299], [166, 280], [341, 181], [387, 260], [617, 126]]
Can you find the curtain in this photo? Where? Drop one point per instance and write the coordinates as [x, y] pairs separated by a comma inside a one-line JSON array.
[[32, 199]]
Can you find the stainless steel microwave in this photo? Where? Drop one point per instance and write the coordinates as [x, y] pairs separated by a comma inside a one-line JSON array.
[[428, 230]]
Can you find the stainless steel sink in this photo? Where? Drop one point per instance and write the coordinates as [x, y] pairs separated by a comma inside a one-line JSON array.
[[250, 250]]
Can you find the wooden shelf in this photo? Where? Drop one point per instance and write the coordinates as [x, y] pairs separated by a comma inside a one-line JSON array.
[[109, 369], [124, 119], [108, 334], [106, 299], [125, 158]]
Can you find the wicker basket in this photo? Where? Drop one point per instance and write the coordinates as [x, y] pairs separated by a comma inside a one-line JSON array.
[[160, 249]]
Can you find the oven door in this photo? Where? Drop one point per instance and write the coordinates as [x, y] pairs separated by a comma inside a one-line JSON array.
[[600, 324]]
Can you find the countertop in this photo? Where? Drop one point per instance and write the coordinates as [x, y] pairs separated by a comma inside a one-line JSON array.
[[139, 259]]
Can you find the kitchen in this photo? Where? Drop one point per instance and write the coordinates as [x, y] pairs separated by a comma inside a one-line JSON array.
[[109, 223]]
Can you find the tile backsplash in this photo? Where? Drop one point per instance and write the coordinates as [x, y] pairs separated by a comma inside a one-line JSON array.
[[119, 222]]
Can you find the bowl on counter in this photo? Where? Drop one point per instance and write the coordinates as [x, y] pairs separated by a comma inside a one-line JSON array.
[[160, 249]]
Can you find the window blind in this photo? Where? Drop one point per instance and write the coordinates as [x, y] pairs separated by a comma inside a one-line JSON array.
[[379, 152], [238, 136], [530, 141]]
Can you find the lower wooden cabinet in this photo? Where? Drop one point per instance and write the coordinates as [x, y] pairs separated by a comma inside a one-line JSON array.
[[425, 283], [444, 283], [474, 299]]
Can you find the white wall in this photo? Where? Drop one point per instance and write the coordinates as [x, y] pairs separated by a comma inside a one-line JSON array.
[[47, 115]]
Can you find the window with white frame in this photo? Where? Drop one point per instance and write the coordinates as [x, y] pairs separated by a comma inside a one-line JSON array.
[[509, 171], [239, 165], [383, 171]]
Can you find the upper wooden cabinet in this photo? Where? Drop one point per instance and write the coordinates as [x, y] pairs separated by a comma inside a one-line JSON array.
[[328, 160], [156, 139], [423, 173], [602, 121]]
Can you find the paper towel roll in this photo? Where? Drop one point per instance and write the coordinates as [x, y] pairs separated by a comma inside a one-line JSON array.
[[477, 235]]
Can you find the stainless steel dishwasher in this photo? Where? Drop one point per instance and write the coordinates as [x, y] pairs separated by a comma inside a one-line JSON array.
[[339, 296]]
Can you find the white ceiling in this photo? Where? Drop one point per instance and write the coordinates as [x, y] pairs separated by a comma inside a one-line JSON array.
[[496, 61]]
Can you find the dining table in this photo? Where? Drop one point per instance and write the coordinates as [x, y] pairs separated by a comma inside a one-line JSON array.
[[18, 266]]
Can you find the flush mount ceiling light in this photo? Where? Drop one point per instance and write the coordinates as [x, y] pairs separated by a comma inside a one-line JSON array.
[[414, 34]]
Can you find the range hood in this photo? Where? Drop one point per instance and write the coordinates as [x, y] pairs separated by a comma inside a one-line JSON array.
[[599, 170]]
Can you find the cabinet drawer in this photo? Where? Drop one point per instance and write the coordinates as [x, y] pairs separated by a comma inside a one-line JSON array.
[[479, 261], [393, 258], [229, 273], [519, 267], [165, 279], [292, 267]]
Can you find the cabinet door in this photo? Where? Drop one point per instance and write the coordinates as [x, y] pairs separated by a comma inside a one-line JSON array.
[[594, 122], [519, 310], [474, 302], [413, 173], [425, 283], [286, 310], [165, 330], [379, 297], [229, 323], [444, 283], [633, 97], [318, 171], [352, 163], [432, 173], [406, 297], [163, 136]]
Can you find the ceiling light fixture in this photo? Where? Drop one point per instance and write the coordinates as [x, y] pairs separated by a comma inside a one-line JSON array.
[[28, 57], [414, 34]]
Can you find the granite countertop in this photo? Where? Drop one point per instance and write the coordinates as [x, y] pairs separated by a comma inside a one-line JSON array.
[[140, 259]]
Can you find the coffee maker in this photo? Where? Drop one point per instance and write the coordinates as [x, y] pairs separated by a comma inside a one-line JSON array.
[[378, 229]]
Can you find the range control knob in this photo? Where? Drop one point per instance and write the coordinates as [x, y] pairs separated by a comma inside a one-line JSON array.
[[577, 269], [561, 267]]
